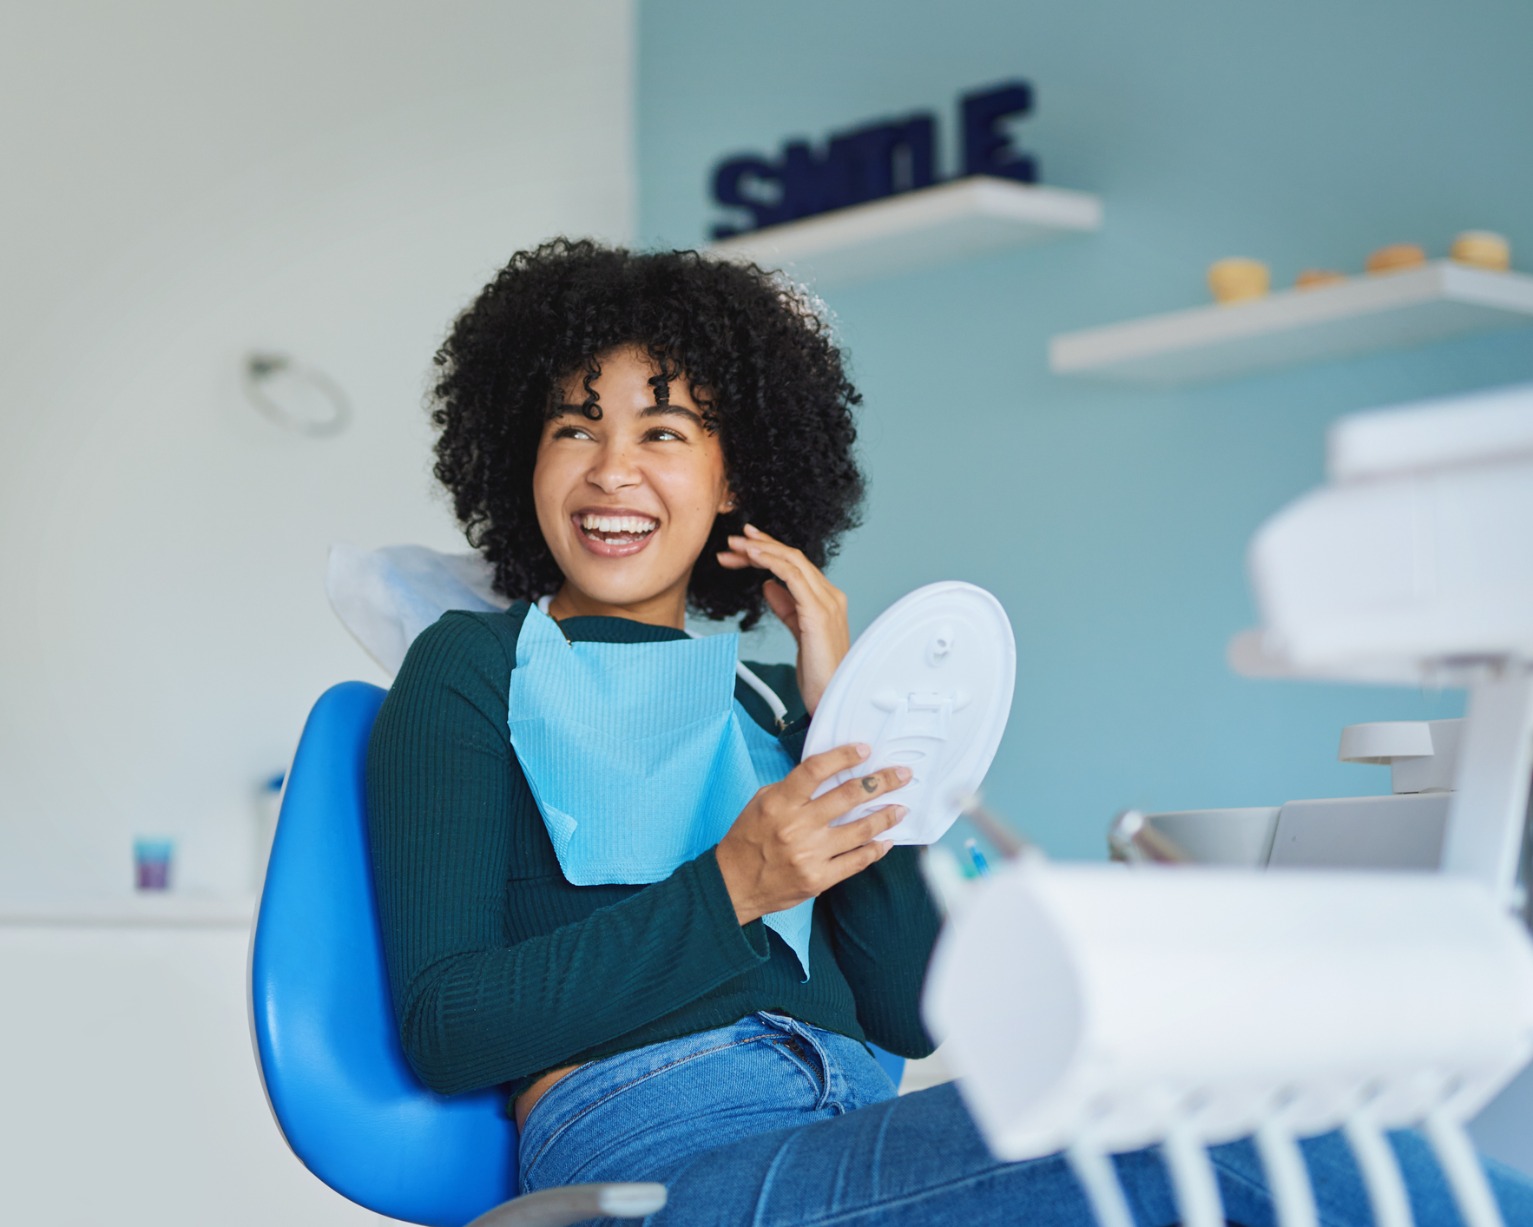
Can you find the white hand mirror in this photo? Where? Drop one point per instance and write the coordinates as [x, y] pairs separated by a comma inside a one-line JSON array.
[[928, 685]]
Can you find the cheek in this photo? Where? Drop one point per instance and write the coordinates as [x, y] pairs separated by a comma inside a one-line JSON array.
[[698, 492], [547, 490], [706, 481]]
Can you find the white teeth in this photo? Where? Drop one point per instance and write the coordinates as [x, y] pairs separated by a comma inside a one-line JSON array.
[[618, 524]]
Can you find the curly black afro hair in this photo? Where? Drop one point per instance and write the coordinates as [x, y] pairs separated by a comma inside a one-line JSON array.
[[757, 359]]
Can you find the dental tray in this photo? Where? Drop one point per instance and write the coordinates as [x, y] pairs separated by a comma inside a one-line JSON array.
[[928, 685]]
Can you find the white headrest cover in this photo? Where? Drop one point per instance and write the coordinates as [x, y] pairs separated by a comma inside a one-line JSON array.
[[387, 596]]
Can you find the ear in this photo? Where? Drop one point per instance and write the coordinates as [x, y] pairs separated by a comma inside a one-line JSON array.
[[727, 503]]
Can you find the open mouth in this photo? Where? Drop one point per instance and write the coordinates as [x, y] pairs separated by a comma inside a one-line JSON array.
[[620, 534]]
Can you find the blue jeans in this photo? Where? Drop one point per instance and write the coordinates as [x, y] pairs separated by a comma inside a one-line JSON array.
[[776, 1123]]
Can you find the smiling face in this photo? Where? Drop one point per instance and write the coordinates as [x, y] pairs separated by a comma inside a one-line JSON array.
[[626, 502]]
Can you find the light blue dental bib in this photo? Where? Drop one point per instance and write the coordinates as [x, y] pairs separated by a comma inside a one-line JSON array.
[[638, 755]]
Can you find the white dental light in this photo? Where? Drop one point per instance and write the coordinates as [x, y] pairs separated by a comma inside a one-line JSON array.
[[1095, 1010]]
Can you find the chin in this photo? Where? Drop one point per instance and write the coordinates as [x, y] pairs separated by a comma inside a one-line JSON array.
[[615, 592]]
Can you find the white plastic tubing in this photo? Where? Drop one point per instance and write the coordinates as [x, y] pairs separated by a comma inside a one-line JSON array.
[[1095, 1010]]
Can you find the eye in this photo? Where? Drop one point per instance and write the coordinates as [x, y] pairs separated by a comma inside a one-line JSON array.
[[664, 433], [571, 432]]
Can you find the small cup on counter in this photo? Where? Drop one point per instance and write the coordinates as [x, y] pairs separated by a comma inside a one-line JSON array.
[[152, 861]]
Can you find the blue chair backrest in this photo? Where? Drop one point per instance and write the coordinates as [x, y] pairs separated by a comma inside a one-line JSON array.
[[323, 1019]]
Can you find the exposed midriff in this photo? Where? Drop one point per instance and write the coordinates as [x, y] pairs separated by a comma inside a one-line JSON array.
[[531, 1095]]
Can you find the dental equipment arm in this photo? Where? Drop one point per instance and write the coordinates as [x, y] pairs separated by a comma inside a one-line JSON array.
[[1413, 566], [1089, 1010]]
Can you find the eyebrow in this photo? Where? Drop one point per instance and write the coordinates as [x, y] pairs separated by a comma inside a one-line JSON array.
[[649, 411]]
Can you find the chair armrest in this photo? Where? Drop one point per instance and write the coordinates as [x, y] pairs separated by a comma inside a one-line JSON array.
[[574, 1203]]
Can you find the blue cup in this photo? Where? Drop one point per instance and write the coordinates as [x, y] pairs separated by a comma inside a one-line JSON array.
[[151, 863]]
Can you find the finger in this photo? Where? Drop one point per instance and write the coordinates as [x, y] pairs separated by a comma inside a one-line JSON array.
[[859, 790], [754, 539], [854, 834], [755, 547], [735, 560], [756, 536], [839, 868], [805, 581], [818, 768], [762, 546], [741, 555]]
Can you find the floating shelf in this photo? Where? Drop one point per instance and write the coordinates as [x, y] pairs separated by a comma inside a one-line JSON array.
[[935, 225], [1292, 327], [167, 910]]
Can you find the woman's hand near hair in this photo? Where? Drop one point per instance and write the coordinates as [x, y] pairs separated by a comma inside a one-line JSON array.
[[782, 849], [808, 604]]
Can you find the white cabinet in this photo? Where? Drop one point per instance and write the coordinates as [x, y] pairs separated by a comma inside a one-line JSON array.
[[128, 1089]]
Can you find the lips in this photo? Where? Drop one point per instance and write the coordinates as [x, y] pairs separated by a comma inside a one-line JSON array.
[[614, 532]]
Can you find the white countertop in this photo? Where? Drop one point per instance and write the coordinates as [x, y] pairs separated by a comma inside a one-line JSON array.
[[152, 909]]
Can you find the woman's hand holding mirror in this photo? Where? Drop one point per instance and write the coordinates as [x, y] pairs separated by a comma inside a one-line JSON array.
[[782, 849]]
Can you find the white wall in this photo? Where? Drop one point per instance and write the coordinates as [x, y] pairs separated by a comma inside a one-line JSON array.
[[185, 182]]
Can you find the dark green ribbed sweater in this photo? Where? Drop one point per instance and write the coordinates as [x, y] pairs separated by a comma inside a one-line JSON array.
[[501, 969]]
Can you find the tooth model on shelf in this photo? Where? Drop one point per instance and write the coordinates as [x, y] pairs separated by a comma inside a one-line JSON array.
[[1417, 306]]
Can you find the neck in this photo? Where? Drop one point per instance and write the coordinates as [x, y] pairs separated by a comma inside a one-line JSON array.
[[666, 609]]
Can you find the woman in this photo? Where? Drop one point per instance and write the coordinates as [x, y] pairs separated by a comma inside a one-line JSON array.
[[603, 877]]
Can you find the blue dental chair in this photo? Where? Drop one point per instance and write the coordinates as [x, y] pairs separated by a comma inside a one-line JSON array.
[[322, 1021]]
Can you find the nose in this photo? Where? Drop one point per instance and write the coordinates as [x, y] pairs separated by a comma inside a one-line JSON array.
[[613, 467]]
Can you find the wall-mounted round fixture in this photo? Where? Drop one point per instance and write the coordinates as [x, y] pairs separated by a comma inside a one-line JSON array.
[[297, 397]]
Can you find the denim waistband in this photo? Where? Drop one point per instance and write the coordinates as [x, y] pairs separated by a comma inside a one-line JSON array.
[[654, 1105]]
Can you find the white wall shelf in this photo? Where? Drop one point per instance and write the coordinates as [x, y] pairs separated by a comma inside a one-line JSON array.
[[935, 225], [1292, 327], [148, 910]]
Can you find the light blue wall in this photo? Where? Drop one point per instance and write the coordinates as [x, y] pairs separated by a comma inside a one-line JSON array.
[[1113, 522]]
